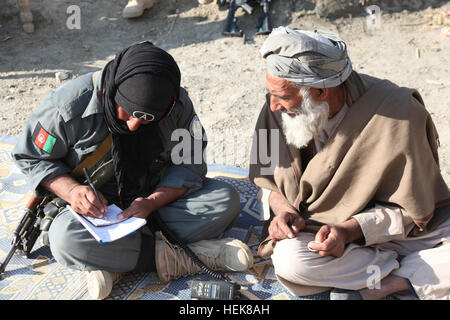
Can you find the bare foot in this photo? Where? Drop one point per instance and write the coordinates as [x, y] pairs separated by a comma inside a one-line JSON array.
[[388, 285]]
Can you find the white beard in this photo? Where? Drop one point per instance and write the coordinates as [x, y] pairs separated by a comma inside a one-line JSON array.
[[310, 119]]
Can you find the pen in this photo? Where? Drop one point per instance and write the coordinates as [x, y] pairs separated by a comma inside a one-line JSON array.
[[89, 181]]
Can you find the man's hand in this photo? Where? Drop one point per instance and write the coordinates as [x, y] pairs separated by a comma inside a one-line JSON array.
[[139, 208], [81, 197], [143, 207], [285, 225], [331, 240], [83, 200]]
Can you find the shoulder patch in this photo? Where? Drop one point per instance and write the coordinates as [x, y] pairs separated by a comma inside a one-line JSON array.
[[43, 139], [195, 128]]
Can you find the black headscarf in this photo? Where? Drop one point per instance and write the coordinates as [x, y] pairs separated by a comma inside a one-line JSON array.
[[142, 77], [144, 80]]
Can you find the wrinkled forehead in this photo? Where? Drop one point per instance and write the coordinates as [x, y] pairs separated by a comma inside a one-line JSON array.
[[279, 84]]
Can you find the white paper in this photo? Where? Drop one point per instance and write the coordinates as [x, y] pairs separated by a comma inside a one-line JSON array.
[[110, 217], [114, 231]]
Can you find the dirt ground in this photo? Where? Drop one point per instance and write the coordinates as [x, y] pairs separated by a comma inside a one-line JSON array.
[[224, 76]]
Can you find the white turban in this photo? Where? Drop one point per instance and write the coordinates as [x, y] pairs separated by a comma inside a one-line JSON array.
[[312, 58]]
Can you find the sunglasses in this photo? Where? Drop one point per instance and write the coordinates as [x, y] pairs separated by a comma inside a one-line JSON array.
[[170, 110], [150, 117]]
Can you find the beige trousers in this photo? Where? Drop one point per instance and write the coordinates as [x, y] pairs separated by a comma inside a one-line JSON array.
[[426, 264]]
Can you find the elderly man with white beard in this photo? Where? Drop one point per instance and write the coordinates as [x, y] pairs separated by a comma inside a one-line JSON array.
[[356, 203]]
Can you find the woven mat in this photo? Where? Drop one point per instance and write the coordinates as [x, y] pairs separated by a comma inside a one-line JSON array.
[[39, 277]]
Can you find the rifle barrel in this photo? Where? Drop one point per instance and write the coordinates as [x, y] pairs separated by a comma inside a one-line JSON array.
[[8, 257]]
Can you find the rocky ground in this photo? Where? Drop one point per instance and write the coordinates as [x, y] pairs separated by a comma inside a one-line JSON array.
[[224, 76]]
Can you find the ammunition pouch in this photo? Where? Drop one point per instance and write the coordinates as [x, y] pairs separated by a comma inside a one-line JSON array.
[[51, 210]]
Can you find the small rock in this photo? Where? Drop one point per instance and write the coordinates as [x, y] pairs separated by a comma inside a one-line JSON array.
[[61, 76]]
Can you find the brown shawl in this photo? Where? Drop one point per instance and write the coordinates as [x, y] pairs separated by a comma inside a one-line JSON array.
[[384, 151]]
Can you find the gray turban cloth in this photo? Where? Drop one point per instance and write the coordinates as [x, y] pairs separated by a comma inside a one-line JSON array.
[[312, 58]]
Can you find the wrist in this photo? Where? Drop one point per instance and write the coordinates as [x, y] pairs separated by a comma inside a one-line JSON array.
[[149, 204], [280, 205], [62, 186], [71, 188], [351, 230]]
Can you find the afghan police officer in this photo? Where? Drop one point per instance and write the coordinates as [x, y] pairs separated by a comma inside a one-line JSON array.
[[136, 100]]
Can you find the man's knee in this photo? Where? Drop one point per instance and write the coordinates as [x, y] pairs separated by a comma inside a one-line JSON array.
[[227, 204], [234, 202], [203, 214], [225, 195], [293, 260], [221, 202], [65, 239]]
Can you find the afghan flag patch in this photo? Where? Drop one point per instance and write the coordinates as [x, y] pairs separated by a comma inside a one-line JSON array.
[[43, 139]]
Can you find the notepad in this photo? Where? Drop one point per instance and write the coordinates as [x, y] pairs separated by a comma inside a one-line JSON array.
[[109, 218], [109, 228]]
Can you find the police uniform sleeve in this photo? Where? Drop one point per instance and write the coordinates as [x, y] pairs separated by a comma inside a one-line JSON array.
[[42, 145], [187, 146]]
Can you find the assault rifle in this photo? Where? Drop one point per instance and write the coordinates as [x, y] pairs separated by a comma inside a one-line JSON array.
[[230, 27]]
